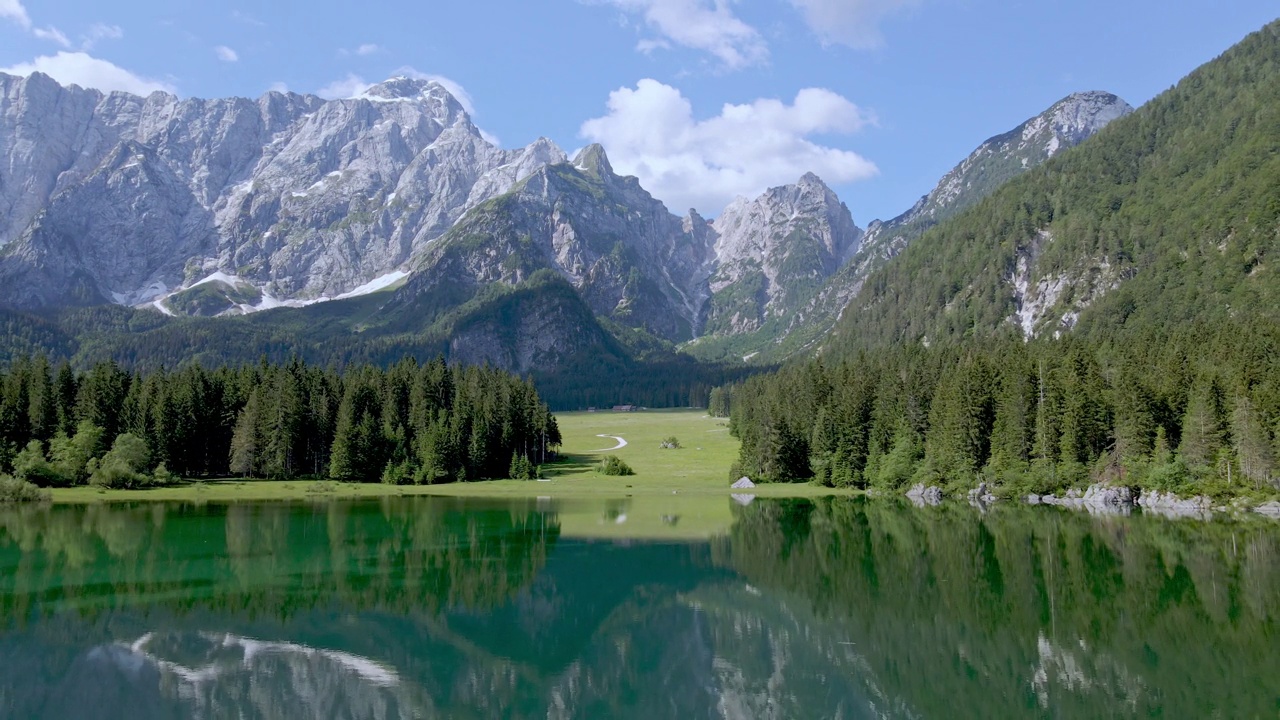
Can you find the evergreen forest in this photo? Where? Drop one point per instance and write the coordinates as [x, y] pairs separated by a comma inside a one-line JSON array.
[[1194, 410], [409, 423], [1163, 232]]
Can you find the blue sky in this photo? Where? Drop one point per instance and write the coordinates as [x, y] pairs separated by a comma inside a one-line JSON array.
[[703, 99]]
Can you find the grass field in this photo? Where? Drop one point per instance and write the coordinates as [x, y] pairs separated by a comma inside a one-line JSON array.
[[699, 468]]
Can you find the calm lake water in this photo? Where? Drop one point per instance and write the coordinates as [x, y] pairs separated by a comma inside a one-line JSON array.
[[834, 608]]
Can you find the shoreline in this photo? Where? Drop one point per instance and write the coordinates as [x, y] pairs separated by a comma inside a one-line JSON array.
[[233, 491]]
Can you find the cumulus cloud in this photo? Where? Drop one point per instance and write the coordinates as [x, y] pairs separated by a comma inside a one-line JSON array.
[[78, 68], [226, 54], [367, 49], [855, 23], [99, 32], [650, 132], [279, 87], [13, 10], [706, 25]]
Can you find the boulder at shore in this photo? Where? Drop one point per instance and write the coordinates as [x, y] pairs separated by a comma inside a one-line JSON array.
[[743, 483]]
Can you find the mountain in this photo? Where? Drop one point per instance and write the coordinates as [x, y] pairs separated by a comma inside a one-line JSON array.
[[1168, 217], [803, 323], [416, 234], [285, 200], [774, 251], [629, 258]]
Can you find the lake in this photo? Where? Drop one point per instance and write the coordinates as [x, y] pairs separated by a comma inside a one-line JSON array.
[[443, 607]]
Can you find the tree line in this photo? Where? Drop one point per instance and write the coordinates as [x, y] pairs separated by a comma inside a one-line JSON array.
[[1191, 409], [408, 423]]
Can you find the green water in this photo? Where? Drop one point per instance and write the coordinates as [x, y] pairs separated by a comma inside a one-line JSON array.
[[432, 607]]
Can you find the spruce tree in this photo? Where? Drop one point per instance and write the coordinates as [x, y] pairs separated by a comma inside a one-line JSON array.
[[1252, 446], [245, 440], [1202, 431]]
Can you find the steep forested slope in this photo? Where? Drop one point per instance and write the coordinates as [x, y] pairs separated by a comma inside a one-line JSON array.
[[1167, 215]]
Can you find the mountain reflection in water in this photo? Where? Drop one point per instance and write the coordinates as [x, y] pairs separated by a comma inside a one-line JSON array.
[[433, 607]]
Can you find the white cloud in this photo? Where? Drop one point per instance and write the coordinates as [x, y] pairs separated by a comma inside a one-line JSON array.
[[77, 68], [347, 87], [855, 23], [706, 25], [98, 32], [650, 132], [278, 87], [367, 49], [14, 11], [52, 34], [226, 54]]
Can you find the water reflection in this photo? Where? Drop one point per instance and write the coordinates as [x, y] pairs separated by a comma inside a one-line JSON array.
[[431, 607]]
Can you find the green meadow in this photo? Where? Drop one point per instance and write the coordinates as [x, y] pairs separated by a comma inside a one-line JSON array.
[[700, 467]]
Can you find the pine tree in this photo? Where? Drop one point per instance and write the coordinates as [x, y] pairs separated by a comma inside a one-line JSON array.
[[1202, 431], [1135, 422], [1013, 429], [42, 407], [1252, 446], [245, 441], [959, 437], [65, 390]]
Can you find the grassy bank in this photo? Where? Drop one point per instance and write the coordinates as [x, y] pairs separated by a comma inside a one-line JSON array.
[[699, 467]]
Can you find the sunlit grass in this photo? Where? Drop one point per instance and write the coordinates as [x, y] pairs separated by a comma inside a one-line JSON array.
[[700, 467]]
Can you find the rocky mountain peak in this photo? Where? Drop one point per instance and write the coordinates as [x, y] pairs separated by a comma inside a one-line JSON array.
[[1064, 124], [436, 98], [300, 198], [810, 179], [593, 161], [772, 251], [1079, 115]]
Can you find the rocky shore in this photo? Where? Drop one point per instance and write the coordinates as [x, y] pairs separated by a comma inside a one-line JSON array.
[[1101, 499]]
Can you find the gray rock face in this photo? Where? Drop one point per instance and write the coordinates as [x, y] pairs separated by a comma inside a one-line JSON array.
[[773, 252], [125, 199], [630, 259], [234, 205]]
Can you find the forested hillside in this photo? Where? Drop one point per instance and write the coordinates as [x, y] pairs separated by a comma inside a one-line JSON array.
[[1111, 316], [539, 327], [1166, 216], [1192, 409], [410, 423]]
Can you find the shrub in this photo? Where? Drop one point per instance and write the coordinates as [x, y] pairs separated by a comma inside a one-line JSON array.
[[613, 465], [30, 465], [161, 476], [13, 490], [123, 466], [670, 443]]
